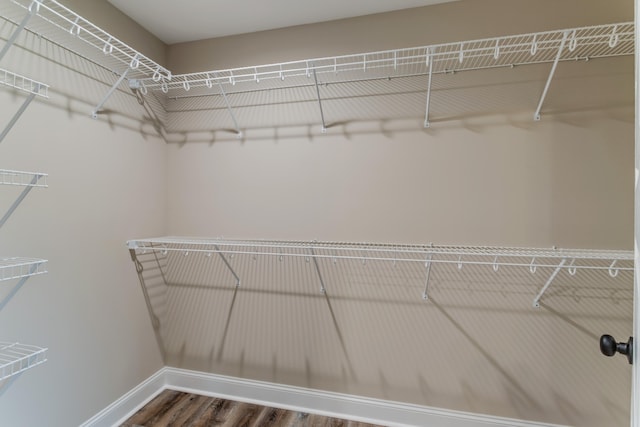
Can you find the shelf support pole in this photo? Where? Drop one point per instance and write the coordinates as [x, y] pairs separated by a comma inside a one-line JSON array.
[[32, 11], [315, 78], [426, 115], [19, 200], [315, 263], [230, 110], [425, 294], [224, 259], [18, 113], [536, 115], [536, 301], [96, 111]]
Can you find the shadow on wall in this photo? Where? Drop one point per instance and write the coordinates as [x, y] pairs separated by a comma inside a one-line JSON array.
[[475, 345]]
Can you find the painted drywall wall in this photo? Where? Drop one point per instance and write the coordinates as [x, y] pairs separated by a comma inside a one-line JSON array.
[[497, 178], [106, 184]]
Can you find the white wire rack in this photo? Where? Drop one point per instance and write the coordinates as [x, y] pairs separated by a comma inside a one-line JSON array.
[[24, 179], [581, 43], [25, 84], [571, 260], [611, 260], [61, 25], [16, 358], [16, 268]]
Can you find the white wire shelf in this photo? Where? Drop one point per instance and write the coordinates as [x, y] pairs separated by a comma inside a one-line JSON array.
[[582, 43], [25, 84], [61, 25], [16, 358], [16, 268], [573, 259], [23, 179]]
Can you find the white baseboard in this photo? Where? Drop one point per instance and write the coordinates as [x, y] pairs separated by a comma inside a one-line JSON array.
[[118, 412], [331, 404]]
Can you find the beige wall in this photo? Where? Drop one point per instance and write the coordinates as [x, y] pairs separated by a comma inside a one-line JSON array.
[[106, 184], [485, 173]]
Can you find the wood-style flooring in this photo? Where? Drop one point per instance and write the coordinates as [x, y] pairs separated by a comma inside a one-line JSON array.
[[178, 409]]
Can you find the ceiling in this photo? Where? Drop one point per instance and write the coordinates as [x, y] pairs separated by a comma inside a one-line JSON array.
[[188, 20]]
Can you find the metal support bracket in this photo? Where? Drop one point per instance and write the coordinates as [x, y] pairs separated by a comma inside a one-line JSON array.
[[536, 115], [18, 113], [230, 110], [224, 259], [536, 301], [315, 78], [123, 76], [33, 9], [315, 262], [19, 200], [427, 264], [426, 115]]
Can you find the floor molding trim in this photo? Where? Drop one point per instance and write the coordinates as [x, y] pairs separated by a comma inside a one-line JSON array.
[[376, 411], [332, 404], [120, 410]]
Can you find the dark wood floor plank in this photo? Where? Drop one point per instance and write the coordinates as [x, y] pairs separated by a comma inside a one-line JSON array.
[[155, 408], [177, 409]]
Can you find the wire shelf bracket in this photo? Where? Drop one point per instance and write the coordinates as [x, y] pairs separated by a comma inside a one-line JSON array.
[[426, 114], [324, 125], [323, 289], [226, 262], [229, 109], [425, 294], [33, 8], [96, 111], [536, 301], [16, 358], [29, 180], [24, 84], [536, 115]]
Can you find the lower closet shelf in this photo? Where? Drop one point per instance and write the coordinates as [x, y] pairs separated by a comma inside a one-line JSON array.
[[16, 358], [16, 268]]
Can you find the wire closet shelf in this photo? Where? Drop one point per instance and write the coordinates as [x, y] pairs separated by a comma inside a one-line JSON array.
[[55, 22], [24, 84], [574, 259], [16, 358], [571, 44], [23, 179], [16, 268]]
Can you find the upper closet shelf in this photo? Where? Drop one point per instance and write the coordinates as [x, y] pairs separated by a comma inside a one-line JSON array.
[[507, 51], [16, 268], [53, 21], [61, 25]]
